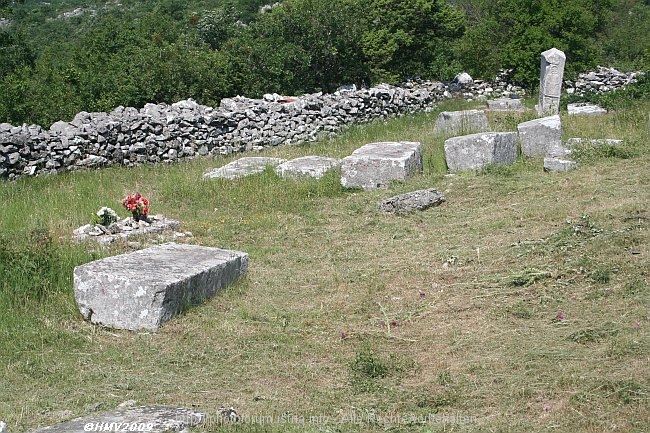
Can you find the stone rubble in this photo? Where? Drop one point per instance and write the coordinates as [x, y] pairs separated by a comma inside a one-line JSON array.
[[600, 81], [126, 228]]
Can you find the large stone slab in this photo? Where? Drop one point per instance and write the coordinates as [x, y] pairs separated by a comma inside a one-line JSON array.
[[145, 288], [572, 142], [243, 167], [539, 135], [307, 166], [416, 200], [470, 152], [585, 109], [375, 165], [505, 104], [461, 122], [150, 419], [550, 82]]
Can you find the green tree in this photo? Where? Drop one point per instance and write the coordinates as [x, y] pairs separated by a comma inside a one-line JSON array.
[[513, 33], [406, 38]]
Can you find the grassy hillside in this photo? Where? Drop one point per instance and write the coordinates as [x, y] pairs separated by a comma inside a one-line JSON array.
[[522, 302]]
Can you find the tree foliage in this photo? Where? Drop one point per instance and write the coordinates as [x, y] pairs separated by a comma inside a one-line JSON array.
[[132, 53]]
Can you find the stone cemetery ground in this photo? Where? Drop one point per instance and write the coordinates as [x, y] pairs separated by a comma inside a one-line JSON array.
[[518, 304]]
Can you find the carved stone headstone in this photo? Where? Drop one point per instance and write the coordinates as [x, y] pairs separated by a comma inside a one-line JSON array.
[[550, 83]]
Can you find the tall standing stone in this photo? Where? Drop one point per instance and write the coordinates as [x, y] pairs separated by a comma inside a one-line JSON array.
[[550, 83]]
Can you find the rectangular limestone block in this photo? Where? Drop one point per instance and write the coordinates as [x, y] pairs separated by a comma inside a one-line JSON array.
[[375, 165], [474, 151], [145, 288], [452, 123], [539, 135]]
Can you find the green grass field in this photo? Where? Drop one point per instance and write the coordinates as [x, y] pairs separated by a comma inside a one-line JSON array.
[[521, 304]]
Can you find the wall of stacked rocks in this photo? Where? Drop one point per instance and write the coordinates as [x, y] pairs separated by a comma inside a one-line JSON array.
[[161, 133]]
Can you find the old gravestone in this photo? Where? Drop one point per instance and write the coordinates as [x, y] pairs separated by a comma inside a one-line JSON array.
[[145, 288], [550, 82]]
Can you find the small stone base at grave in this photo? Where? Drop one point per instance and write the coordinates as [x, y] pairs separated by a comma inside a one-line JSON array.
[[125, 228], [150, 419], [143, 289]]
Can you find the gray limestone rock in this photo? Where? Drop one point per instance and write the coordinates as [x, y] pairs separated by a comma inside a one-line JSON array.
[[417, 200], [375, 165], [585, 109], [553, 164], [307, 166], [538, 135], [145, 288], [461, 122], [151, 419], [470, 152], [243, 167], [572, 142], [505, 104]]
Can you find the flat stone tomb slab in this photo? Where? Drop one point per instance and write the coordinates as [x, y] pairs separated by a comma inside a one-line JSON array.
[[505, 104], [375, 165], [307, 166], [151, 419], [143, 289], [474, 151], [243, 167], [585, 109]]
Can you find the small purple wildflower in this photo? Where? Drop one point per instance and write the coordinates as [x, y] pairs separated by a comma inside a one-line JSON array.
[[422, 293], [559, 316]]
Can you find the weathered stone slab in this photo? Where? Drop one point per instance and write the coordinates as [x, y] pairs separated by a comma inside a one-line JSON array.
[[559, 164], [572, 142], [585, 109], [461, 122], [417, 200], [470, 152], [550, 83], [243, 167], [505, 104], [307, 166], [538, 135], [558, 151], [151, 419], [375, 165], [145, 288]]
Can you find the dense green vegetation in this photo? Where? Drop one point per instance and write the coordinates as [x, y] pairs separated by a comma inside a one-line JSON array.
[[65, 56]]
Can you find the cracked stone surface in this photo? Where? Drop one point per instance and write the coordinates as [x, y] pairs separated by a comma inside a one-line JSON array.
[[307, 166], [416, 200], [143, 289]]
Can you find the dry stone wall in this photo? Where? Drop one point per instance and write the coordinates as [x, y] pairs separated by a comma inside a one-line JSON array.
[[161, 133]]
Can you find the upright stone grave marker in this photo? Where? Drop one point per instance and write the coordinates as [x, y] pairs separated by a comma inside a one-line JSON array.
[[550, 82]]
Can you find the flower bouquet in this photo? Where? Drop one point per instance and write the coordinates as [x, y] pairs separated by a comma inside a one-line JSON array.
[[137, 205], [106, 216]]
